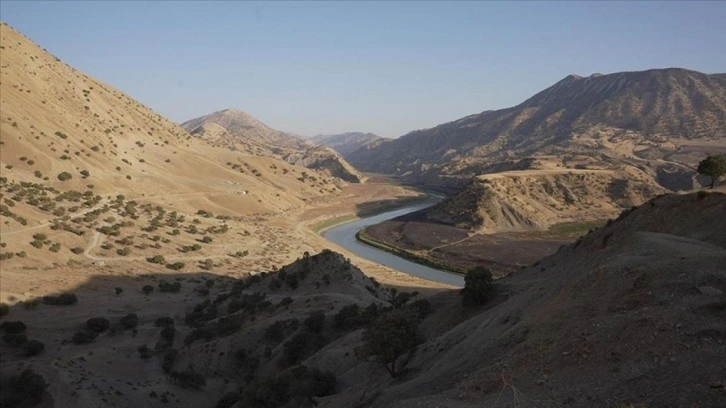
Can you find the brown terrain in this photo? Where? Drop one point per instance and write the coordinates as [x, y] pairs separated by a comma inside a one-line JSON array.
[[193, 253]]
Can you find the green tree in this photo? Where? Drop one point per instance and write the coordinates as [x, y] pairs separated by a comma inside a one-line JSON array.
[[393, 335], [478, 286], [713, 166]]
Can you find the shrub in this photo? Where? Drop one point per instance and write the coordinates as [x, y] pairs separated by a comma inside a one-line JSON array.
[[175, 266], [98, 324], [392, 335], [84, 337], [165, 287], [315, 322], [296, 386], [478, 286], [63, 176], [347, 318], [130, 321], [64, 299], [422, 306], [157, 259], [25, 389], [4, 309], [77, 250], [147, 289], [13, 327], [33, 348], [15, 339]]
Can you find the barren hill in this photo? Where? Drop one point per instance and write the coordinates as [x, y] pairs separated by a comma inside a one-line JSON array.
[[347, 143], [526, 200], [662, 119], [239, 131], [78, 157]]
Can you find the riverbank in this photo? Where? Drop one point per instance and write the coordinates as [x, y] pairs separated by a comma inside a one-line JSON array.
[[365, 238], [344, 235]]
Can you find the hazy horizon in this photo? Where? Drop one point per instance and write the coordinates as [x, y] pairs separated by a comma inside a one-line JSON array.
[[385, 68]]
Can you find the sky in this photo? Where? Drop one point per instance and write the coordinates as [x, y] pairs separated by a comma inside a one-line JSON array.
[[383, 67]]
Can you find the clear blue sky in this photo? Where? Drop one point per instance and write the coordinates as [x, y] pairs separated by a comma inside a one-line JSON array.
[[387, 68]]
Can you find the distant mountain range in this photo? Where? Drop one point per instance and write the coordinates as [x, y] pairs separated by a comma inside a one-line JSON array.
[[347, 143], [664, 119], [240, 131]]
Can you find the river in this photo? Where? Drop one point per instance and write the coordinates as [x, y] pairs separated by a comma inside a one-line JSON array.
[[344, 235]]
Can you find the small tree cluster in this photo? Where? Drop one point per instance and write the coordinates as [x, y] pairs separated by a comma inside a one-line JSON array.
[[478, 286]]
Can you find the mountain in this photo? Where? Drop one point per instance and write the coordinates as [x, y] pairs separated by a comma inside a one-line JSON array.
[[237, 128], [239, 131], [662, 119], [347, 143]]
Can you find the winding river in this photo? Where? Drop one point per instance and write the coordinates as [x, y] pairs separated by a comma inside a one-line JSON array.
[[344, 235]]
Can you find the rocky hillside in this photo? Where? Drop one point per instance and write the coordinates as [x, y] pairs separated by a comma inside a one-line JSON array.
[[347, 143], [538, 199], [239, 131], [604, 322], [78, 157], [635, 308], [663, 119]]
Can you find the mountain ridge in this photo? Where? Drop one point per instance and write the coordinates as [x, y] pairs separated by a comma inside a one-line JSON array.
[[619, 115]]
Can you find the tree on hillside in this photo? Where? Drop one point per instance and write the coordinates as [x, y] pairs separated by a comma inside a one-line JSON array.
[[393, 335], [478, 286], [713, 166]]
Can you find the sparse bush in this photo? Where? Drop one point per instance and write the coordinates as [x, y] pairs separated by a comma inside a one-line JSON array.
[[98, 324], [144, 352], [13, 327], [15, 339], [130, 321], [63, 176], [297, 386], [77, 250], [33, 348], [478, 286], [147, 289], [315, 322], [347, 318], [25, 390], [166, 287], [157, 259], [392, 335], [64, 299], [175, 266]]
